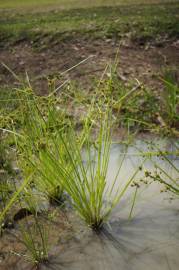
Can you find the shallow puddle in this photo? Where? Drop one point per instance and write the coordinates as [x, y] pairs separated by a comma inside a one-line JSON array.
[[149, 239]]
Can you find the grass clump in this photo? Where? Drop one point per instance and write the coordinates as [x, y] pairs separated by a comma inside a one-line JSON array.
[[59, 159], [85, 179], [64, 160], [40, 121]]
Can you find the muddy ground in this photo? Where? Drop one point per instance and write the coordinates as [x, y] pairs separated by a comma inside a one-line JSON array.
[[146, 63]]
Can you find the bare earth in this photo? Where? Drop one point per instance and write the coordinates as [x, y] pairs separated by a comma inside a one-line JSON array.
[[146, 64]]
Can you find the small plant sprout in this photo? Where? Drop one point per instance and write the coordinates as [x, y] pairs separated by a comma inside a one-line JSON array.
[[34, 234], [35, 240]]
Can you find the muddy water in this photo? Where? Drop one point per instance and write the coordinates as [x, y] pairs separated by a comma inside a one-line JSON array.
[[148, 240]]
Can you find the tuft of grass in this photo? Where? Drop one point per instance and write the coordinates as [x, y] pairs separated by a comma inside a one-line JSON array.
[[39, 133], [51, 153], [85, 179], [56, 154], [35, 240]]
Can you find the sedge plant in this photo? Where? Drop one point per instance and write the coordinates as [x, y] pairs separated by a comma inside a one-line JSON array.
[[38, 133], [85, 178], [41, 137]]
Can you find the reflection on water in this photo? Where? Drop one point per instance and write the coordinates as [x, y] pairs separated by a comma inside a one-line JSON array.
[[150, 240]]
